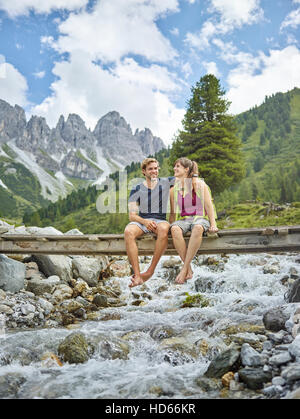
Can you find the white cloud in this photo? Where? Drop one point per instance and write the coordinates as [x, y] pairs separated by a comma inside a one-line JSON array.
[[13, 85], [137, 93], [230, 54], [174, 31], [16, 8], [39, 74], [201, 40], [227, 16], [154, 77], [211, 68], [236, 12], [115, 29], [186, 68], [117, 60], [292, 19], [277, 72]]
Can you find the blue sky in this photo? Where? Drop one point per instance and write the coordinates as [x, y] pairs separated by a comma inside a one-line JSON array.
[[141, 57]]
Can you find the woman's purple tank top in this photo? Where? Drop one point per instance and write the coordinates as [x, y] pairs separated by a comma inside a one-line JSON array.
[[190, 205]]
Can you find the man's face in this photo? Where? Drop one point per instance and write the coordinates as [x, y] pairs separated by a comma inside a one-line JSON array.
[[151, 171]]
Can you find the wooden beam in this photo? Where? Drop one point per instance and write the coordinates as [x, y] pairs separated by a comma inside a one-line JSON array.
[[250, 240]]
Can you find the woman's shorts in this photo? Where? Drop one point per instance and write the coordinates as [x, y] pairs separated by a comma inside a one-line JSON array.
[[187, 224], [142, 227]]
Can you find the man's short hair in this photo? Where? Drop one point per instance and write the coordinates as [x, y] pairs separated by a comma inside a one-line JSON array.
[[147, 161]]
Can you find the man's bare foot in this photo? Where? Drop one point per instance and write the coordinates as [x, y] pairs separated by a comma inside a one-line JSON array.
[[135, 281], [181, 277]]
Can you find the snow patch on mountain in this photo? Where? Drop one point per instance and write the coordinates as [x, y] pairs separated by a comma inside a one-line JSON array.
[[52, 188]]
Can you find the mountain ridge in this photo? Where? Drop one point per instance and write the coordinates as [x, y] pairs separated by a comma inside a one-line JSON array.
[[68, 155]]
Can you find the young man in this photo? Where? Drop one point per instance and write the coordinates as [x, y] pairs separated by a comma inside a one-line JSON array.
[[148, 203]]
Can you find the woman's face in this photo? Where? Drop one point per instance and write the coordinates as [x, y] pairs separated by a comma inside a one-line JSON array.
[[180, 171]]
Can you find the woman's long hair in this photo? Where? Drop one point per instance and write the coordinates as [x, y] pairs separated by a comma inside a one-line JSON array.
[[191, 165], [188, 164]]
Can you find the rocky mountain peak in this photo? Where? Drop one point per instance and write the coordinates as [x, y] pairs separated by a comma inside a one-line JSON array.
[[148, 143], [12, 121], [75, 133], [74, 149], [36, 135], [112, 123]]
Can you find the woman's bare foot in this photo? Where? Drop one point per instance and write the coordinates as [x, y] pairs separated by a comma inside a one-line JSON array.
[[135, 281], [189, 275], [181, 277]]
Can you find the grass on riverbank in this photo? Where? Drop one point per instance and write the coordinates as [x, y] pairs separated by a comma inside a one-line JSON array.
[[257, 214]]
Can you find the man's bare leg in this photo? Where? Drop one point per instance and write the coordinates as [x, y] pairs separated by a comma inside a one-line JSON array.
[[161, 245], [194, 244], [180, 246], [131, 233]]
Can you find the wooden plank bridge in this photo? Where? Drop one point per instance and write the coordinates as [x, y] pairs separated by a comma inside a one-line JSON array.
[[251, 240]]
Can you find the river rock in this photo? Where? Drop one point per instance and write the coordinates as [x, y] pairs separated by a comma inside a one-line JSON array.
[[293, 294], [4, 309], [281, 358], [55, 265], [111, 347], [293, 394], [275, 319], [40, 286], [62, 291], [12, 274], [172, 262], [178, 350], [294, 348], [74, 349], [209, 384], [228, 360], [254, 378], [10, 384], [250, 357], [205, 283], [162, 332], [120, 269], [227, 378], [100, 300], [272, 269], [291, 372], [88, 269]]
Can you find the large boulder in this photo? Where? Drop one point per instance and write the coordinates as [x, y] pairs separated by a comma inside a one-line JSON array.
[[55, 265], [39, 286], [88, 268], [12, 274]]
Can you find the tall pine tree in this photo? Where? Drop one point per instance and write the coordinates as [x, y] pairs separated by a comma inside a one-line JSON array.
[[209, 136]]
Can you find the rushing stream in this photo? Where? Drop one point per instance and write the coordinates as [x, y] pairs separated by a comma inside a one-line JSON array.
[[170, 346]]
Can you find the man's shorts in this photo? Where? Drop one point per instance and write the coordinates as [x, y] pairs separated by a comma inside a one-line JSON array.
[[142, 227], [187, 224]]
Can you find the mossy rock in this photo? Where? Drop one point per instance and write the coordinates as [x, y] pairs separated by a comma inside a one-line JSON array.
[[74, 349]]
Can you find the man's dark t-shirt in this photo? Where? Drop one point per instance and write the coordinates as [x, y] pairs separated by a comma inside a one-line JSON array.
[[153, 203]]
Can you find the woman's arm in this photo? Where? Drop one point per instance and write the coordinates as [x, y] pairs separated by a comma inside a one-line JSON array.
[[209, 209]]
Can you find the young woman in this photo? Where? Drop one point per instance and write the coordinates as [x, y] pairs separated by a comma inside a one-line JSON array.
[[192, 210]]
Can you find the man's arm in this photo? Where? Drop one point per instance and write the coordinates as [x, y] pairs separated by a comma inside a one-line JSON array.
[[134, 216]]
